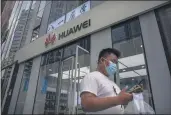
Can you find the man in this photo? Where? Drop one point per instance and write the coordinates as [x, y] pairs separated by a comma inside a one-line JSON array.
[[99, 94]]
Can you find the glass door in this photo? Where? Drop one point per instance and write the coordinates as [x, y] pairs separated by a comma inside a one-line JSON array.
[[82, 67], [65, 94], [73, 69]]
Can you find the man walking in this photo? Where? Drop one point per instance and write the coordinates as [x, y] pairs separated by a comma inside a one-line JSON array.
[[99, 94]]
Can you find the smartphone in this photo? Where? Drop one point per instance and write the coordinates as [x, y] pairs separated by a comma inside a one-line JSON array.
[[136, 88]]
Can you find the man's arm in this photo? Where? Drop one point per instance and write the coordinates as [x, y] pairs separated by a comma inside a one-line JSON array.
[[92, 103]]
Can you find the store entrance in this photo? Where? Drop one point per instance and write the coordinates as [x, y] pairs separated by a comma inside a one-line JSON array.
[[73, 69]]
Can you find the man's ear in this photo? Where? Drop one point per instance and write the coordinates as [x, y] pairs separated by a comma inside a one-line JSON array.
[[102, 59]]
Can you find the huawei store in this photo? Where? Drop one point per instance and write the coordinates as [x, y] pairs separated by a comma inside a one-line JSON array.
[[52, 67]]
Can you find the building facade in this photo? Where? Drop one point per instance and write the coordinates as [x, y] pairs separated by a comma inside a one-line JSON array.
[[6, 9], [56, 43]]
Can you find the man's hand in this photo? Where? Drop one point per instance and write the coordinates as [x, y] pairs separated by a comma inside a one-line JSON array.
[[124, 97]]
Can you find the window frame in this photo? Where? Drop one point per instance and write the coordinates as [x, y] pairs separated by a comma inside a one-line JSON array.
[[164, 42], [127, 28]]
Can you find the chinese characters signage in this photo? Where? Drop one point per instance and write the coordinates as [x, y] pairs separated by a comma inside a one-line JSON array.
[[69, 16], [78, 11], [56, 24]]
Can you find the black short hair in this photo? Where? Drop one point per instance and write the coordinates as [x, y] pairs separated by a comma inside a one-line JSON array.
[[108, 51]]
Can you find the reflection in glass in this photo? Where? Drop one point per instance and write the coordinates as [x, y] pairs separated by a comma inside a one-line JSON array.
[[17, 28], [45, 101], [71, 49], [55, 89], [23, 88], [61, 7], [35, 33], [24, 21], [132, 67], [4, 81], [12, 25], [83, 68], [70, 82], [38, 19], [57, 10], [28, 21], [66, 86]]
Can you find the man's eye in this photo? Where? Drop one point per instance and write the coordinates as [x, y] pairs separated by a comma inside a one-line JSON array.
[[115, 62]]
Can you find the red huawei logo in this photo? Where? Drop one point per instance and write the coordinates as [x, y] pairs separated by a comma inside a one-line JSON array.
[[50, 39]]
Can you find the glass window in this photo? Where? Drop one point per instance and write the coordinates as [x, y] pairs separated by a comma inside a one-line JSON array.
[[57, 55], [23, 87], [51, 57], [72, 5], [21, 21], [60, 8], [164, 21], [44, 59], [71, 49], [135, 29], [132, 66], [57, 10], [119, 33], [49, 76], [41, 9], [27, 14], [18, 24], [127, 30], [35, 33], [45, 100], [4, 81]]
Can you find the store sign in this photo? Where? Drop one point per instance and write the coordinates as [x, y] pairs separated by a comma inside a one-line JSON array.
[[50, 39], [78, 11], [74, 29], [56, 24]]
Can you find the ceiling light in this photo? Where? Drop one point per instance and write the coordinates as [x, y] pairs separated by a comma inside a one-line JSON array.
[[142, 66], [141, 46], [50, 69], [123, 70]]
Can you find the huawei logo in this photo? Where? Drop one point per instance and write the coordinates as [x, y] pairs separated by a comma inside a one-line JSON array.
[[50, 39]]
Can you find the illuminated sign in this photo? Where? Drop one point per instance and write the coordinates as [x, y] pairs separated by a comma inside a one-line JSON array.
[[50, 39]]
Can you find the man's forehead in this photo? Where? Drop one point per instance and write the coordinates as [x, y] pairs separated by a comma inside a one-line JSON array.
[[113, 56]]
